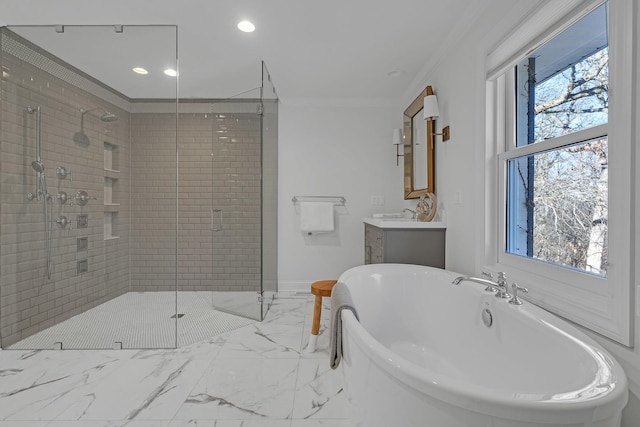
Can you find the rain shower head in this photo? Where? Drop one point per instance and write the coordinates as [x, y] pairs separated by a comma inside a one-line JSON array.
[[108, 117], [80, 137], [37, 166]]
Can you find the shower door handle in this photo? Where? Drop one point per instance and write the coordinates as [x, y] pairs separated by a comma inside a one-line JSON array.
[[213, 227]]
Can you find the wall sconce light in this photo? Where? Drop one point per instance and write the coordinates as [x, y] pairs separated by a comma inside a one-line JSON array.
[[431, 111], [397, 141]]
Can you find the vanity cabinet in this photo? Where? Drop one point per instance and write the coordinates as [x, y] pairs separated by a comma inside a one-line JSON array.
[[404, 245]]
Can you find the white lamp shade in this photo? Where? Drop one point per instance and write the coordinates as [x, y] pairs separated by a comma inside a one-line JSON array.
[[397, 136], [431, 109]]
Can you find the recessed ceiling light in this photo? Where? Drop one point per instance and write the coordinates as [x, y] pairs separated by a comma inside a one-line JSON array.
[[171, 72], [246, 26], [140, 70]]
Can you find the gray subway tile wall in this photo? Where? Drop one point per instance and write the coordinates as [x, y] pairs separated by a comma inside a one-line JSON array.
[[153, 202], [30, 301], [219, 168]]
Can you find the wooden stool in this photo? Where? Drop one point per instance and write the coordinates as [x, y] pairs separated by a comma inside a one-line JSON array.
[[321, 288]]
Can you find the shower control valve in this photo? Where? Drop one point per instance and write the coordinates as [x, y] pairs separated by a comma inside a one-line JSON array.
[[63, 173], [63, 197], [82, 197], [63, 222]]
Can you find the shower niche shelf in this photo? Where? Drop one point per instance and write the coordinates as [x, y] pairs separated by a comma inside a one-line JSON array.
[[110, 184], [111, 157], [110, 173], [109, 219], [111, 176]]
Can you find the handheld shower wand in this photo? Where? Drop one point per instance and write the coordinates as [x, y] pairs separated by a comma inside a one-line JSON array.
[[41, 188]]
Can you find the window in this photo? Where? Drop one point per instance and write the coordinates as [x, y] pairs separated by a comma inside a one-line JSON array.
[[557, 194], [558, 211]]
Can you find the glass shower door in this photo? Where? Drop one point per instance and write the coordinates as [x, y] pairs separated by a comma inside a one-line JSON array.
[[243, 213], [236, 199]]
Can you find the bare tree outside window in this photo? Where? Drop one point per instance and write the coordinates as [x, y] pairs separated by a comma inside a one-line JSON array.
[[575, 99]]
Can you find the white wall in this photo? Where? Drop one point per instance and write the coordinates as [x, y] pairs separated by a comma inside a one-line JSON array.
[[333, 150], [459, 82]]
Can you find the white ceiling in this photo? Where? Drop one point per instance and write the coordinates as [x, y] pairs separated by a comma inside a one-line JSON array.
[[322, 50]]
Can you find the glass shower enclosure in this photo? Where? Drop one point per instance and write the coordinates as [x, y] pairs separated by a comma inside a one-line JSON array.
[[129, 218]]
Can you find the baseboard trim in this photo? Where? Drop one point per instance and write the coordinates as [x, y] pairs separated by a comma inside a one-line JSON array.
[[294, 286]]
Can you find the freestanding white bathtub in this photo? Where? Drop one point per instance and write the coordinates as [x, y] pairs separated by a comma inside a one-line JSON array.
[[421, 355]]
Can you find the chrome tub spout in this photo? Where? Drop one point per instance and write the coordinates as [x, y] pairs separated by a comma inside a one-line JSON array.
[[500, 287]]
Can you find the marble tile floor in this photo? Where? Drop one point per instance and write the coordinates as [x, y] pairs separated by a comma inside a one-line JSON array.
[[257, 376]]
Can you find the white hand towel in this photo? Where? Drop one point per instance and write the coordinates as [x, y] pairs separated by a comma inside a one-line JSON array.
[[316, 217]]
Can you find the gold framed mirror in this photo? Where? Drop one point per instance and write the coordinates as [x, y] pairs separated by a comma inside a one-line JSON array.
[[418, 149]]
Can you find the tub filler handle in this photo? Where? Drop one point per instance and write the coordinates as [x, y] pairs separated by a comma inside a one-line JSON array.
[[488, 276], [515, 300]]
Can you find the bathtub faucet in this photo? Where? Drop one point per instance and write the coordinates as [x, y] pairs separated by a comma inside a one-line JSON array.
[[500, 286], [411, 211]]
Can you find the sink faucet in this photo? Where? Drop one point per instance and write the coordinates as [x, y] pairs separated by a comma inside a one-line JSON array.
[[413, 213], [500, 286]]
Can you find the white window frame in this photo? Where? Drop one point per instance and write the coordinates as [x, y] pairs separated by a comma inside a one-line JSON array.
[[602, 304]]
